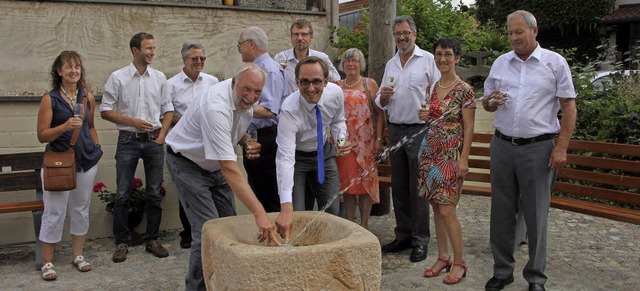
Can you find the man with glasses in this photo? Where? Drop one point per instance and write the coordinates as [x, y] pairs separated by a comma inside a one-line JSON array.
[[301, 37], [182, 87], [135, 99], [305, 153], [261, 172], [402, 92]]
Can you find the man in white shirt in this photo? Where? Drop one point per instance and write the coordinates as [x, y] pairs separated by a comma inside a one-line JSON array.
[[135, 99], [203, 163], [301, 37], [261, 172], [182, 87], [402, 92], [526, 88], [301, 150]]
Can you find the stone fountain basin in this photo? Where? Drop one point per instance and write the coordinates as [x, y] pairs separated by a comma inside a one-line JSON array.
[[331, 254]]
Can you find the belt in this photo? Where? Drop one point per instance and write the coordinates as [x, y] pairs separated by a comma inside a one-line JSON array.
[[141, 135], [524, 141], [407, 124], [171, 152], [306, 154]]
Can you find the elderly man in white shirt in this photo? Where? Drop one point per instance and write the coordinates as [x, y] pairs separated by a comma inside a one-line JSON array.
[[526, 87], [135, 99], [182, 88], [301, 37], [402, 92], [203, 163], [305, 152]]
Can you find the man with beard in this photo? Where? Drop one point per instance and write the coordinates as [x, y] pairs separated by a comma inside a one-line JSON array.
[[402, 92], [305, 153], [135, 99], [202, 160]]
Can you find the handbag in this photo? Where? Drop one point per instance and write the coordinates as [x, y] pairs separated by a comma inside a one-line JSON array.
[[60, 167]]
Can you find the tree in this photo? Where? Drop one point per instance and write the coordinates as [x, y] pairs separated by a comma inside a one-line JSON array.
[[563, 24]]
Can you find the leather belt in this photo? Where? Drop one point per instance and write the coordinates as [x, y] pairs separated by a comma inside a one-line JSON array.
[[171, 152], [524, 141], [141, 135]]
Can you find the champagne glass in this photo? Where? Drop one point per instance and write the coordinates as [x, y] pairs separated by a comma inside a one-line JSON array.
[[390, 80], [78, 111], [282, 61], [342, 139]]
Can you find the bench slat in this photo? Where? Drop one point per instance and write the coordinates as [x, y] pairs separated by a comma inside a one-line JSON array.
[[602, 178], [20, 181], [596, 192], [605, 147], [22, 161], [21, 206], [597, 209], [604, 163]]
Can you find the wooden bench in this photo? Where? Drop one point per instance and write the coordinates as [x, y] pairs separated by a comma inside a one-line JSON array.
[[607, 172], [21, 172]]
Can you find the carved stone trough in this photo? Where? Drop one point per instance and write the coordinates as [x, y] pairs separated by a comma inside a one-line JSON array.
[[331, 254]]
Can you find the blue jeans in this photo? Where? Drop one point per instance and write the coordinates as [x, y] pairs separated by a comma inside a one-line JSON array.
[[204, 195], [128, 152]]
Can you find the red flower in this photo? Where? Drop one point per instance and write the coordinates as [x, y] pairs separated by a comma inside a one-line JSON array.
[[136, 184], [98, 187]]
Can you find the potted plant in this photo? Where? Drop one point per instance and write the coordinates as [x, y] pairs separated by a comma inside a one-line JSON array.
[[136, 204]]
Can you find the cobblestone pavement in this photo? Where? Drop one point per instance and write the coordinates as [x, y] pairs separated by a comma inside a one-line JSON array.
[[585, 253]]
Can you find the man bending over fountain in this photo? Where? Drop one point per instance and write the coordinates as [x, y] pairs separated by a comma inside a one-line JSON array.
[[305, 153], [202, 160]]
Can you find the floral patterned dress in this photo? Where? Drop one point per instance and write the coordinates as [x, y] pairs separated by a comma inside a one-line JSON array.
[[442, 146], [358, 170]]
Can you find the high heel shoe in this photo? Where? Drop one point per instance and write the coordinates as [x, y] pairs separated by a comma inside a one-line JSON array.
[[450, 280], [431, 272]]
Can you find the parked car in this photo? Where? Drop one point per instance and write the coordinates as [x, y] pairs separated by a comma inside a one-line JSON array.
[[601, 78]]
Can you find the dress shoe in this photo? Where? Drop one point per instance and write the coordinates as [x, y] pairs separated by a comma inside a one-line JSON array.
[[418, 254], [396, 246], [536, 287], [185, 243], [495, 284]]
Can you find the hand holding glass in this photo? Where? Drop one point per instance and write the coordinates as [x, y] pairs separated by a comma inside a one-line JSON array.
[[252, 138]]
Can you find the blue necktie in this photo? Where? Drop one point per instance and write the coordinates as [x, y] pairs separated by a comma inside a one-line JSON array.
[[320, 143]]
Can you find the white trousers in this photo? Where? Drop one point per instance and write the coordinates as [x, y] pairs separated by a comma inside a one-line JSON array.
[[77, 200]]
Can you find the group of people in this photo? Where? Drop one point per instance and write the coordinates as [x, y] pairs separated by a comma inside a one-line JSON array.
[[318, 137]]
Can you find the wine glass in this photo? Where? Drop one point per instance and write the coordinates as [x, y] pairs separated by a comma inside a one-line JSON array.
[[78, 111], [342, 139], [252, 138], [390, 80], [282, 61]]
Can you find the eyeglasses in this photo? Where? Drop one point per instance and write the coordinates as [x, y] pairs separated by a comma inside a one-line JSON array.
[[240, 43], [303, 34], [352, 60], [195, 59], [447, 55], [306, 82], [403, 33]]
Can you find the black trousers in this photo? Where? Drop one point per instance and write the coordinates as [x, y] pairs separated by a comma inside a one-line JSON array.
[[261, 172]]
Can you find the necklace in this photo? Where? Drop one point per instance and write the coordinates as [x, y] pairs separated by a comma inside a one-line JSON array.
[[66, 95], [346, 84], [445, 87]]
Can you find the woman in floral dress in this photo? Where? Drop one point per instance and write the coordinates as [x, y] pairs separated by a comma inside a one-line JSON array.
[[444, 156], [365, 125]]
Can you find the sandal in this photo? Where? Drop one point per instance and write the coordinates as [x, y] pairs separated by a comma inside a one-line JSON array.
[[450, 279], [48, 273], [81, 264], [431, 272]]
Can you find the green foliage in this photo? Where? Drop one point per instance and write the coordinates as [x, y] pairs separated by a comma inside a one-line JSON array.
[[434, 20]]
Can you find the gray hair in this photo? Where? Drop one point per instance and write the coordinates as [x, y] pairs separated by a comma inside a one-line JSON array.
[[188, 45], [252, 67], [405, 18], [258, 36], [353, 53], [526, 15]]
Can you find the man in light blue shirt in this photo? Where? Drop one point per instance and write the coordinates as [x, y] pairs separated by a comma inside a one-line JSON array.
[[261, 172]]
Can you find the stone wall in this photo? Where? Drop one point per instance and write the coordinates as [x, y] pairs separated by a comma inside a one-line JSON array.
[[32, 34]]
